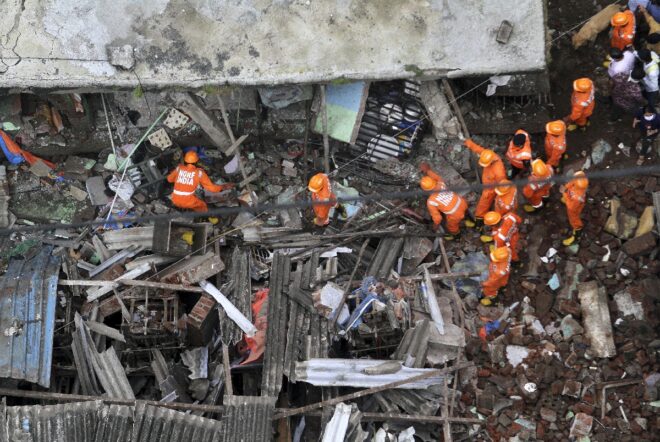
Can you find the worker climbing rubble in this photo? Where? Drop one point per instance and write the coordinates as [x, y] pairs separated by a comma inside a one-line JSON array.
[[498, 274], [537, 188], [319, 186], [493, 173], [623, 30], [555, 143], [574, 195], [582, 104], [441, 201], [506, 231], [187, 178], [506, 198], [519, 152]]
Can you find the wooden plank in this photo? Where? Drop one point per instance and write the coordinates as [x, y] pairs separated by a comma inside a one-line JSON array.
[[131, 282]]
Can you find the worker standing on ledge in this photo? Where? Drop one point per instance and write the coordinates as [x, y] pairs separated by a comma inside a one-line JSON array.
[[555, 143], [623, 30], [506, 198], [519, 152], [506, 231], [493, 173], [451, 204], [319, 185], [535, 191], [582, 104], [574, 195], [498, 274], [187, 178]]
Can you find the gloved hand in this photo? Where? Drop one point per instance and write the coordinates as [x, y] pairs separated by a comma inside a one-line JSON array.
[[424, 167]]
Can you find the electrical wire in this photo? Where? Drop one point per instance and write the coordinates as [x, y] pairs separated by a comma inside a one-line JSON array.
[[378, 197]]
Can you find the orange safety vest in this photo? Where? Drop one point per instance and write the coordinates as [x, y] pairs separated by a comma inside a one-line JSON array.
[[508, 227], [188, 177], [555, 146], [507, 203], [516, 155]]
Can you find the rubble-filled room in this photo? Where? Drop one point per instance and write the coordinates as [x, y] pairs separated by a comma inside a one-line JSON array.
[[420, 257]]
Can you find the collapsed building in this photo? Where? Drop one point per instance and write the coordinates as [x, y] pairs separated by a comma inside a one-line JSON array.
[[128, 319]]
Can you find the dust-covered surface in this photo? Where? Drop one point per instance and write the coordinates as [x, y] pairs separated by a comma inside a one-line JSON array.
[[61, 44]]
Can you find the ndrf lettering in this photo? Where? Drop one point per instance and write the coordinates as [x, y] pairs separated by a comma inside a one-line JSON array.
[[185, 177]]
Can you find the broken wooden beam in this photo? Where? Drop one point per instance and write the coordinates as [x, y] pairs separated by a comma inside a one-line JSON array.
[[131, 282]]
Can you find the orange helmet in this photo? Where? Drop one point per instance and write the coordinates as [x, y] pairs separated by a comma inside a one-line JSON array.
[[582, 182], [504, 187], [619, 19], [486, 157], [582, 84], [499, 254], [316, 183], [492, 218], [539, 168], [190, 157], [427, 183], [557, 127]]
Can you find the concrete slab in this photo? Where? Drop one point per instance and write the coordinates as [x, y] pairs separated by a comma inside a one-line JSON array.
[[196, 43]]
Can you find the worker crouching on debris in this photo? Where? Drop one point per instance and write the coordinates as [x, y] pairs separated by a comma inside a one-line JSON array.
[[582, 104], [623, 30], [506, 231], [498, 274], [536, 190], [319, 185], [506, 198], [519, 152], [555, 142], [574, 195], [446, 202], [493, 173], [187, 178]]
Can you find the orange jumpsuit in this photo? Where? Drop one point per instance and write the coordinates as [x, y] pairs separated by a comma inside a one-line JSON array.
[[451, 204], [498, 277], [582, 106], [535, 192], [322, 211], [507, 234], [575, 200], [507, 203], [623, 36], [555, 146], [516, 155], [187, 178], [492, 174]]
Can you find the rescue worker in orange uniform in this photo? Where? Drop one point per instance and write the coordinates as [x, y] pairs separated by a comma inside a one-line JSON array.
[[555, 143], [535, 191], [519, 152], [582, 104], [623, 30], [574, 195], [321, 190], [506, 198], [505, 231], [446, 202], [493, 173], [187, 178], [498, 274]]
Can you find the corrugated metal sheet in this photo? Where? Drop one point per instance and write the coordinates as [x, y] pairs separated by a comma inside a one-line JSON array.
[[97, 422], [28, 295], [74, 422], [388, 251], [248, 419], [239, 294], [278, 305], [164, 425]]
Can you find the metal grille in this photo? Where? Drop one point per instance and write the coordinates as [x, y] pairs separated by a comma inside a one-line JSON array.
[[392, 120]]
